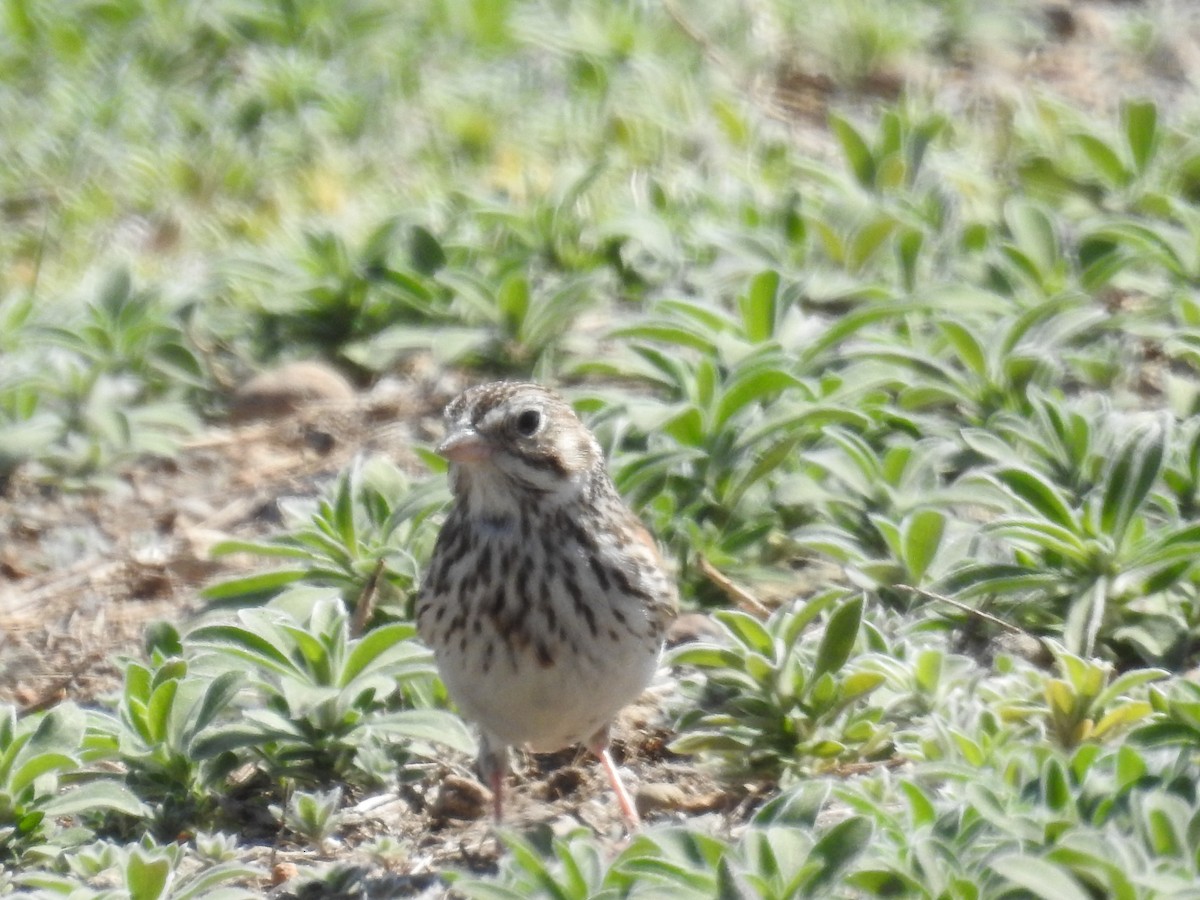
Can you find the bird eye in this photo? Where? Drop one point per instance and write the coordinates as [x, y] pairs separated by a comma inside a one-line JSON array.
[[529, 422]]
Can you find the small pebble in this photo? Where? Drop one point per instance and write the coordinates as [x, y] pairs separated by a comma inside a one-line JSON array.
[[283, 872]]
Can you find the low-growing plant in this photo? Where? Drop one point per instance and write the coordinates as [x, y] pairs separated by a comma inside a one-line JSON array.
[[341, 294], [983, 366], [374, 514], [141, 870], [1086, 704], [329, 706], [1176, 718], [515, 325], [1107, 571], [217, 846], [312, 816], [884, 513], [772, 700], [783, 853], [735, 408], [1095, 821], [169, 734], [116, 382], [46, 780]]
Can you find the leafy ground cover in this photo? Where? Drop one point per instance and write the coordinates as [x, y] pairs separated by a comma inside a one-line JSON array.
[[886, 313]]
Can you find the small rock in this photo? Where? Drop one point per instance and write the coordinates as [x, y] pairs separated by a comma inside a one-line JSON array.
[[1026, 647], [653, 797], [461, 798], [283, 872], [279, 392]]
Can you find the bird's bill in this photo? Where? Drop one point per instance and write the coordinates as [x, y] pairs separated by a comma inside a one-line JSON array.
[[465, 446]]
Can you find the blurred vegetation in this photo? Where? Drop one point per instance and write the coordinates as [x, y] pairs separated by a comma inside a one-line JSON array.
[[832, 285]]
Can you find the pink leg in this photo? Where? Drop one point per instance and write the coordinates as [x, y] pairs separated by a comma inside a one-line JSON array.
[[614, 777], [493, 766]]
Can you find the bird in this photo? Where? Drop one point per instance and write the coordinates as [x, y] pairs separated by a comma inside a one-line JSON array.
[[546, 600]]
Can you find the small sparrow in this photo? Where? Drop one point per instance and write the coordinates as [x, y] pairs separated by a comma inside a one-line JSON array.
[[546, 599]]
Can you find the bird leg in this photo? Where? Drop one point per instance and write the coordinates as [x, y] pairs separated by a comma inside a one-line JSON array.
[[599, 746], [493, 767]]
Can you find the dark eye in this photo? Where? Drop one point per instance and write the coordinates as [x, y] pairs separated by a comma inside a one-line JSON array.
[[529, 422]]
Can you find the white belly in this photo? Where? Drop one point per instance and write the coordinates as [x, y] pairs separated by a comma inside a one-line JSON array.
[[547, 707]]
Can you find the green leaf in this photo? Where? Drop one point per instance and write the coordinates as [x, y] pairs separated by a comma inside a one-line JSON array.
[[758, 386], [1130, 479], [146, 877], [262, 584], [858, 153], [859, 684], [709, 742], [432, 725], [317, 652], [343, 510], [63, 726], [205, 884], [868, 240], [999, 578], [921, 535], [512, 300], [245, 644], [967, 347], [747, 630], [1104, 159], [920, 809], [908, 249], [1085, 617], [1033, 233], [1038, 494], [158, 710], [425, 251], [800, 618], [1121, 717], [371, 647], [664, 333], [1140, 118], [103, 794], [217, 696], [1131, 767], [1043, 537], [40, 765], [1127, 682], [1039, 877], [1056, 791], [706, 656], [686, 427], [162, 638], [836, 848], [758, 306], [838, 640], [260, 548]]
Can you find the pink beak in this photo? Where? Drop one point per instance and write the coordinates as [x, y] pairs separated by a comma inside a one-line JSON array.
[[465, 446]]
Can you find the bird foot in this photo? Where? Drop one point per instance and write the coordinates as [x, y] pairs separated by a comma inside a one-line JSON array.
[[623, 797]]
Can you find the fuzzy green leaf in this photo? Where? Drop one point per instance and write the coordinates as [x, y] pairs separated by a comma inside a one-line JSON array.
[[838, 640]]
